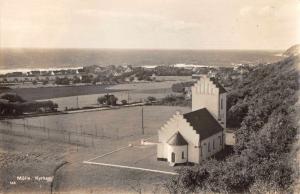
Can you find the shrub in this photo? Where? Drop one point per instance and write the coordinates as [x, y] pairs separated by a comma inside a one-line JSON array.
[[124, 102], [261, 104]]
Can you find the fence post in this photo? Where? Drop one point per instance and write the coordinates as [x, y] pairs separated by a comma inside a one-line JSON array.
[[83, 137], [69, 137], [93, 141]]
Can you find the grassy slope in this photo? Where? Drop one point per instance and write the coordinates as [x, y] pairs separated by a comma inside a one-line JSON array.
[[261, 159]]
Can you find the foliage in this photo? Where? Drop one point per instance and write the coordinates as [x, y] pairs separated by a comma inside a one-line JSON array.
[[34, 82], [76, 79], [45, 82], [151, 99], [14, 108], [124, 102], [261, 103], [172, 71], [87, 79], [108, 99], [179, 87], [174, 100], [62, 81], [11, 97]]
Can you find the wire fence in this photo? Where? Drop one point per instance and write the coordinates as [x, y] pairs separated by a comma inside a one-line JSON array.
[[78, 136]]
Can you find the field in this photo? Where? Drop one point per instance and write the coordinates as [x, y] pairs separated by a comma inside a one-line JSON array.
[[132, 92], [56, 92], [57, 146], [91, 99], [39, 93]]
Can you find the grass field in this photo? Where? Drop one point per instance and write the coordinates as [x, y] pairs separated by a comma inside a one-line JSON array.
[[91, 99], [40, 93], [132, 92], [36, 146]]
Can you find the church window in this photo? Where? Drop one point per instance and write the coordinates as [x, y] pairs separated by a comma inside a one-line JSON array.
[[221, 103], [201, 152]]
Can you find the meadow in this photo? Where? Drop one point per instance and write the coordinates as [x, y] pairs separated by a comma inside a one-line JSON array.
[[74, 97]]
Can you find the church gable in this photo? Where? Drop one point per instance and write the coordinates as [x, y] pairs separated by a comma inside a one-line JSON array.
[[177, 140], [205, 86], [178, 124], [182, 134], [210, 94]]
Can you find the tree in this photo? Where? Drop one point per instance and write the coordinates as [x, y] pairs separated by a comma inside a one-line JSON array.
[[124, 102], [112, 100], [87, 79], [45, 82], [108, 99], [11, 97], [102, 100], [151, 98], [34, 82], [62, 81], [76, 79]]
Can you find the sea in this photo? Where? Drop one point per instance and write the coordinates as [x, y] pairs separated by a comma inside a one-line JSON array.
[[17, 59]]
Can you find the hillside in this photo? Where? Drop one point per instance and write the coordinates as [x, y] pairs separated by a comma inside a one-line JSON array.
[[263, 104], [292, 51]]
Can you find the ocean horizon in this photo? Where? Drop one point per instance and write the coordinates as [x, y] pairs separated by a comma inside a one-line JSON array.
[[21, 59]]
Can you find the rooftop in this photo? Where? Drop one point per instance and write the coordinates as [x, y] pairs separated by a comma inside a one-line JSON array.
[[177, 139], [203, 122], [218, 85]]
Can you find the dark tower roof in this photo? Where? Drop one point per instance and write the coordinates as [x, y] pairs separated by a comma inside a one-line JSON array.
[[177, 139], [218, 85], [203, 123]]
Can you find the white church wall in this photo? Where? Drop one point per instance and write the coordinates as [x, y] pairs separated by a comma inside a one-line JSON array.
[[177, 150], [211, 145], [178, 123], [193, 154], [206, 95]]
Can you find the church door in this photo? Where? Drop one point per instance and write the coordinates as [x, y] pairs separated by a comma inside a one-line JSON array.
[[173, 157]]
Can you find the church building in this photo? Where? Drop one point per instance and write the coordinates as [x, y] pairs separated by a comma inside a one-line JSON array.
[[197, 135]]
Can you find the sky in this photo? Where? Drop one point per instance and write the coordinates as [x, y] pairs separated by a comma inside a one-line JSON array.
[[150, 24]]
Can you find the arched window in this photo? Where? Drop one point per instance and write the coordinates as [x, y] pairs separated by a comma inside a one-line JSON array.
[[173, 157]]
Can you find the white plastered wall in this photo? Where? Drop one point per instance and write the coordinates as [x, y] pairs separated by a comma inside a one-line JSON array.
[[178, 153], [178, 124], [213, 149], [206, 95]]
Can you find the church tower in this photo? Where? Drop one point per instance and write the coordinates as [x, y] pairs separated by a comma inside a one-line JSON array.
[[208, 93]]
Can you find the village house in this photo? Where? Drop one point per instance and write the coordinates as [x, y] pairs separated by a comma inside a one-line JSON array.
[[197, 135]]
